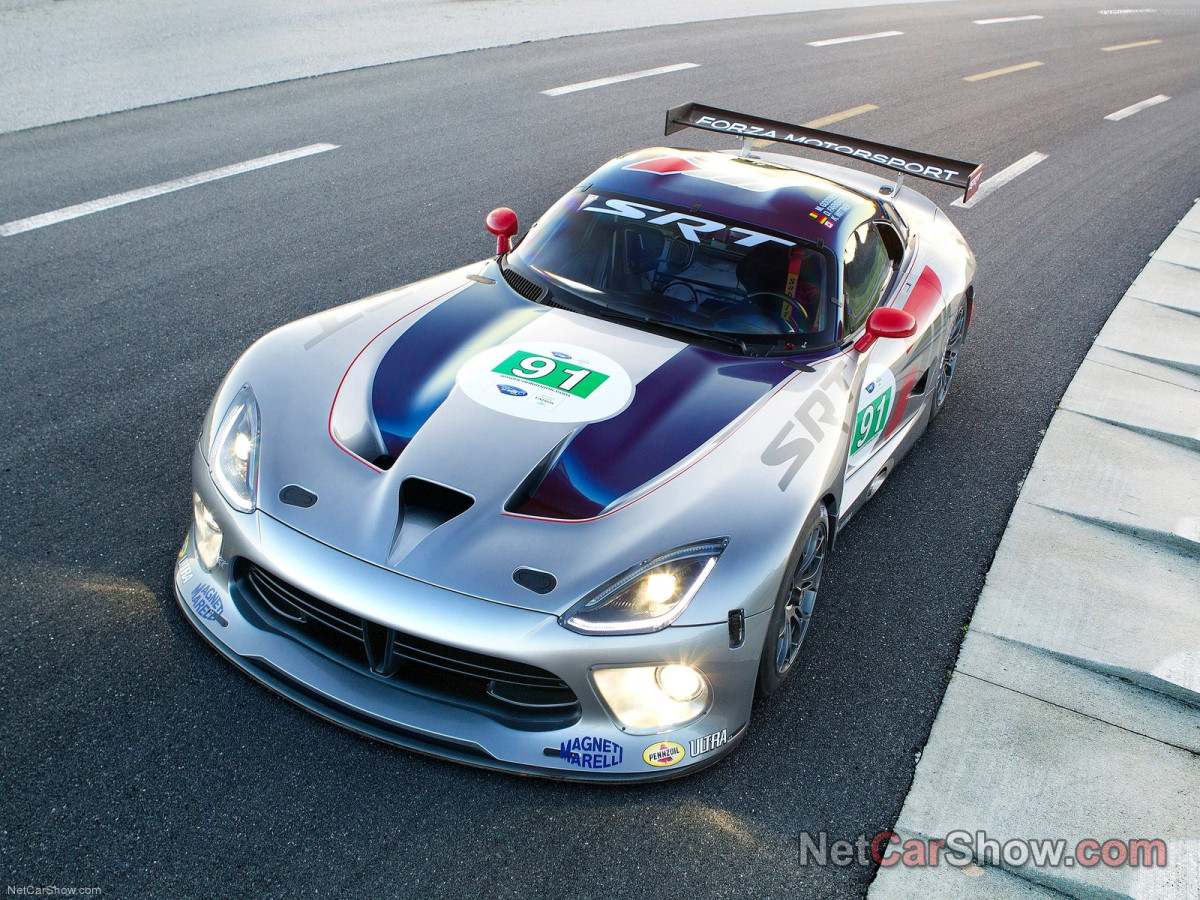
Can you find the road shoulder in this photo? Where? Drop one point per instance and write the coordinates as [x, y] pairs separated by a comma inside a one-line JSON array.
[[1074, 709]]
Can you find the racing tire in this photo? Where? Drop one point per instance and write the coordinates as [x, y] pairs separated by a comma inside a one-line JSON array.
[[794, 604], [949, 362]]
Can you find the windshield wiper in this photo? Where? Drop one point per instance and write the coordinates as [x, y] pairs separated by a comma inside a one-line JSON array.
[[731, 340], [604, 310], [723, 337]]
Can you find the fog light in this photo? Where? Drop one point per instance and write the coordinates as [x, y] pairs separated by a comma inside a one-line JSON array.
[[653, 699], [681, 683], [207, 533]]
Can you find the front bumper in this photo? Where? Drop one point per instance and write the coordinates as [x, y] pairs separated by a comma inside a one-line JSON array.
[[361, 700]]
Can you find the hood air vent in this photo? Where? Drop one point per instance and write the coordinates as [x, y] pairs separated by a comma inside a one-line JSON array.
[[424, 506]]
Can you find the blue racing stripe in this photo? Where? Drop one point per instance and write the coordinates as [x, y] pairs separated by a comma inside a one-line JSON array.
[[675, 410], [417, 373]]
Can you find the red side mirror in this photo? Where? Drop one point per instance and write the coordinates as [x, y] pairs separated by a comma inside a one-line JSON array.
[[887, 322], [502, 222]]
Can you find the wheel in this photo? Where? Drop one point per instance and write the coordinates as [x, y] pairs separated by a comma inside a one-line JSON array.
[[756, 296], [794, 604], [945, 372]]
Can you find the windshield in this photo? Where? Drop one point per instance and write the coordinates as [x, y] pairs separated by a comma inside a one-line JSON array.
[[683, 268]]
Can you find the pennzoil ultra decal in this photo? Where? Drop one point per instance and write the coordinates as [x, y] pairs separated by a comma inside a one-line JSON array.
[[589, 752], [708, 743], [547, 382], [663, 754]]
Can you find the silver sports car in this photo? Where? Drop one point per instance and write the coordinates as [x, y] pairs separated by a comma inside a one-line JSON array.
[[565, 511]]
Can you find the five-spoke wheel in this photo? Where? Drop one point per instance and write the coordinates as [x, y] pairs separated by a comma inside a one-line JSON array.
[[794, 605]]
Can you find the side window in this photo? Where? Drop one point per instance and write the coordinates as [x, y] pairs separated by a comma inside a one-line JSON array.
[[866, 269]]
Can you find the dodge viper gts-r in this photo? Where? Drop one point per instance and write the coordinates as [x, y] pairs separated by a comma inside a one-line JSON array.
[[565, 511]]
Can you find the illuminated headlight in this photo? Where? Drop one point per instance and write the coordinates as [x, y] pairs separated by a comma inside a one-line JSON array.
[[648, 597], [233, 457], [652, 699], [207, 532]]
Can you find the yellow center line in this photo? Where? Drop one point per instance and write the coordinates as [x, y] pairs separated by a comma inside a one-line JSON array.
[[1130, 46], [826, 120], [839, 116], [1004, 71]]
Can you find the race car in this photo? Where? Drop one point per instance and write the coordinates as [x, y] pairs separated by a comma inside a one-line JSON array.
[[565, 511]]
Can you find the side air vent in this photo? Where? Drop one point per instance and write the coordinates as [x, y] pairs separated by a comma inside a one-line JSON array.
[[523, 286]]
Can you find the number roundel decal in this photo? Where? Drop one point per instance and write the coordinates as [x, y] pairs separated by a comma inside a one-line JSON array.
[[547, 382], [875, 404]]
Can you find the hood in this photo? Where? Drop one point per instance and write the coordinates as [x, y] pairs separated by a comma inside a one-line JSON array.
[[478, 422]]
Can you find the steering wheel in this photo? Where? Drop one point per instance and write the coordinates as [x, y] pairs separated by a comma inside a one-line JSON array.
[[757, 296], [695, 298]]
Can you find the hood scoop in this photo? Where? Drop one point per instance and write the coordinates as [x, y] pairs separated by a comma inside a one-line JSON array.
[[424, 507]]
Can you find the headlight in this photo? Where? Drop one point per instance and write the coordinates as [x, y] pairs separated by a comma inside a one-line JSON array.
[[648, 597], [233, 457], [207, 532], [651, 699]]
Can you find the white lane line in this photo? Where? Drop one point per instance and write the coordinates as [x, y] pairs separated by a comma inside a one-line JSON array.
[[1126, 12], [1005, 20], [616, 79], [8, 229], [1136, 108], [1007, 70], [1131, 46], [855, 37], [1001, 178]]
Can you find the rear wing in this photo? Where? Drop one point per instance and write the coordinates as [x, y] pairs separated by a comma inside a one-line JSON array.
[[941, 169]]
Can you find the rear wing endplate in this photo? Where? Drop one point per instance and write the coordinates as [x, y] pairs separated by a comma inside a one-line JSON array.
[[941, 169]]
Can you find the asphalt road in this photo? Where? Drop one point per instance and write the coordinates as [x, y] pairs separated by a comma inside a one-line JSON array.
[[135, 760]]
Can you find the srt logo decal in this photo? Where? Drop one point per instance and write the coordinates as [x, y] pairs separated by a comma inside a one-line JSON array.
[[691, 227], [817, 413]]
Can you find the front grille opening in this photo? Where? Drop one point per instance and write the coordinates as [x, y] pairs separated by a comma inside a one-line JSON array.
[[516, 694], [341, 632], [528, 695]]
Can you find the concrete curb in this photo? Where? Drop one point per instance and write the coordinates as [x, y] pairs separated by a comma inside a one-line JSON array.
[[1074, 710]]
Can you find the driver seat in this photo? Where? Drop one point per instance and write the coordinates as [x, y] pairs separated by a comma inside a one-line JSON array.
[[764, 268]]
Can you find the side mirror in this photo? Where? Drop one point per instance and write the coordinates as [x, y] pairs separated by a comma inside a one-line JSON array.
[[886, 322], [502, 222]]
